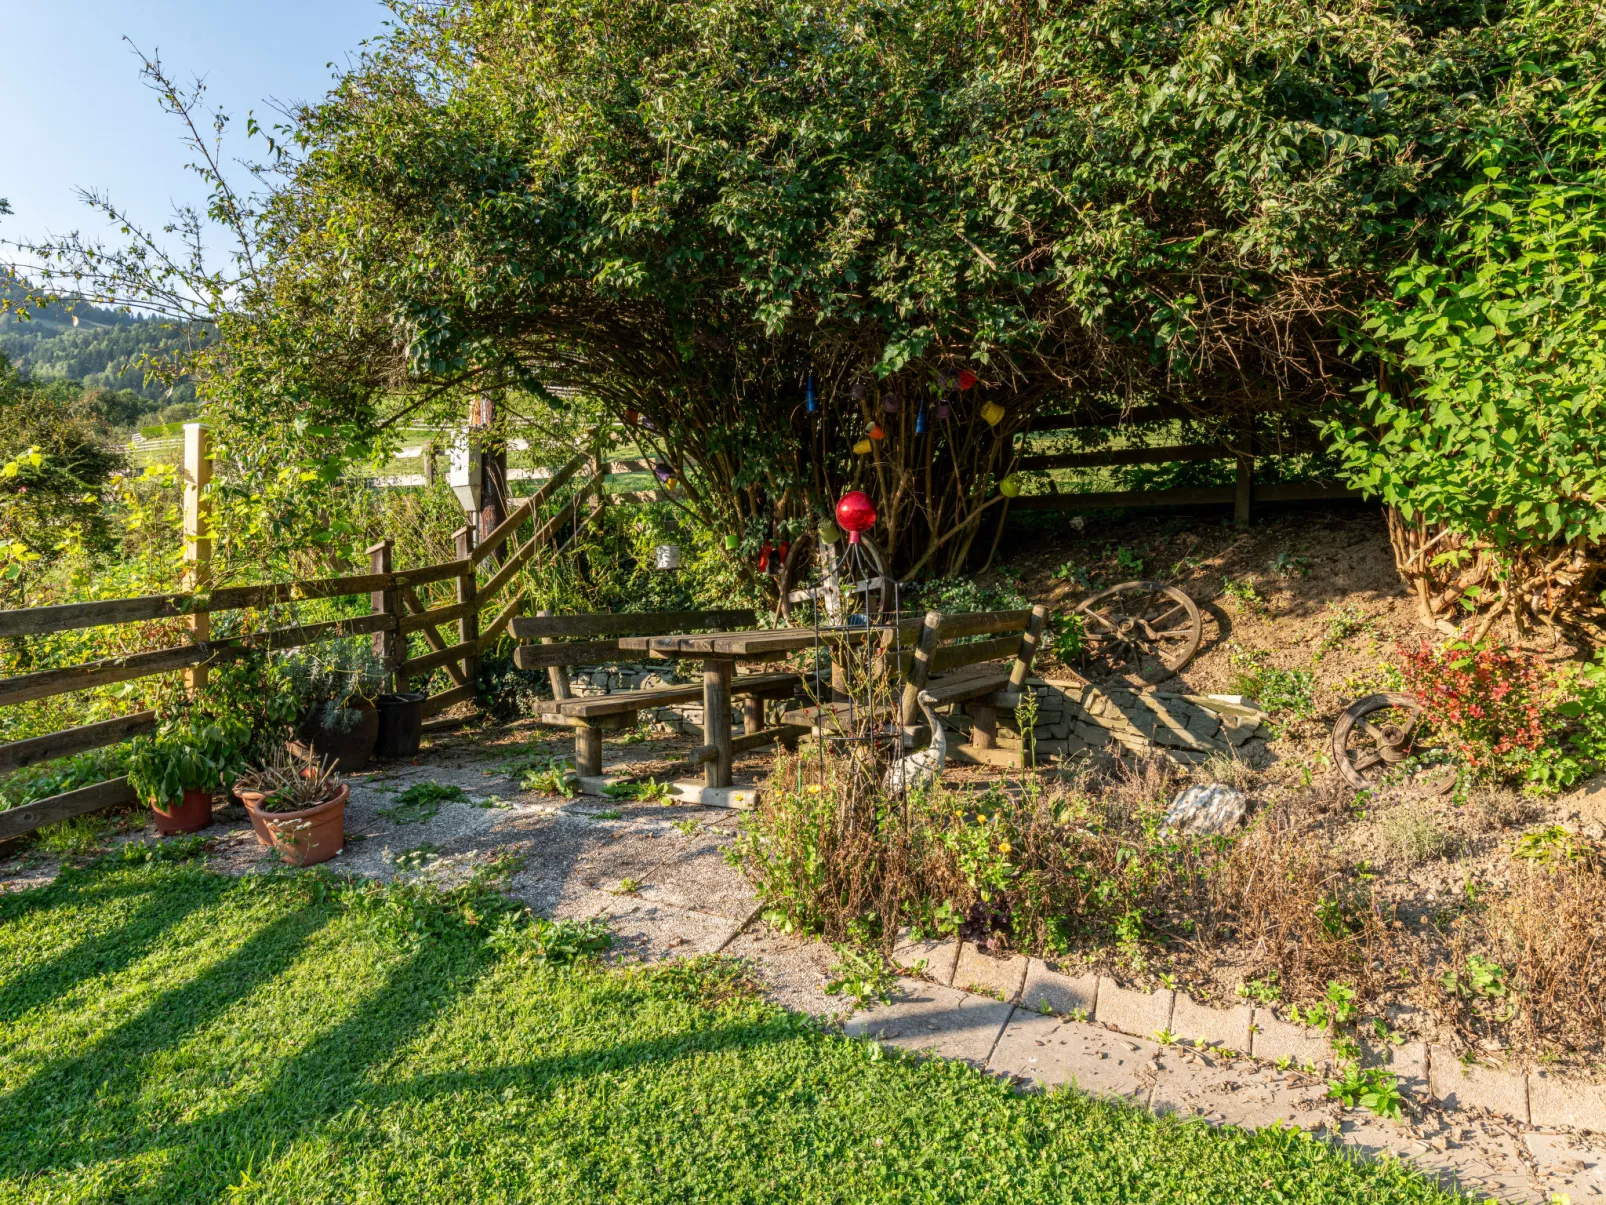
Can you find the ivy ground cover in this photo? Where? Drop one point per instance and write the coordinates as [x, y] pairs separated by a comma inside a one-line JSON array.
[[168, 1034]]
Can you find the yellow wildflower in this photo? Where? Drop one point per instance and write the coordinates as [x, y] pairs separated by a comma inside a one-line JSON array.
[[1004, 847]]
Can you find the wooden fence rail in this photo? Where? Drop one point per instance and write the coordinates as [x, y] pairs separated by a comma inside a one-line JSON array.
[[392, 593]]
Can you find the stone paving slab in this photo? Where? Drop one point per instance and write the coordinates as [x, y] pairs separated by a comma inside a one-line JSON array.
[[1568, 1165], [928, 1018], [1133, 1011], [1276, 1040], [1046, 1052], [1048, 990], [935, 960], [1201, 1023], [1554, 1102], [1461, 1086], [986, 975]]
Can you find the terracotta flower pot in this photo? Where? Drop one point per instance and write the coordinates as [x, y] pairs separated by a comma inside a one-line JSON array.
[[190, 816], [302, 838], [252, 801], [350, 750]]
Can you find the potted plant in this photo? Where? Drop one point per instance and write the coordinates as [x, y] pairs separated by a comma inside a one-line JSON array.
[[175, 770], [336, 684], [297, 805]]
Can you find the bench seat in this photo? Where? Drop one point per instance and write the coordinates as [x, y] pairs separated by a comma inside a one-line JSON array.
[[596, 706]]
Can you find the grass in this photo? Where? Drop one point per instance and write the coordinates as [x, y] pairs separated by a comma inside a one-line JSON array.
[[172, 1035]]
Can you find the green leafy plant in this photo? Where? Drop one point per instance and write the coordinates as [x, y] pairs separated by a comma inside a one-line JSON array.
[[608, 814], [862, 975], [1290, 564], [1556, 845], [539, 941], [1242, 592], [1265, 990], [1275, 689], [628, 886], [1371, 1088], [553, 776], [417, 858], [1478, 979], [421, 802], [186, 753]]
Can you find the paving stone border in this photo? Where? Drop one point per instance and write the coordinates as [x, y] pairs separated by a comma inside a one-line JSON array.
[[1427, 1074]]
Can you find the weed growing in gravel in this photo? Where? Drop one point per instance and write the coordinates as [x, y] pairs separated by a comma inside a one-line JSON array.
[[1243, 594], [421, 802], [551, 776], [687, 827], [417, 858]]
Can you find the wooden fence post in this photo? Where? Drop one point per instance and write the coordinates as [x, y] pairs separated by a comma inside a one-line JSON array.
[[468, 627], [390, 647], [197, 577], [1246, 471]]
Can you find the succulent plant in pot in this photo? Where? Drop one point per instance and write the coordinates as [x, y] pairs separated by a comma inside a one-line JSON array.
[[297, 804], [336, 684]]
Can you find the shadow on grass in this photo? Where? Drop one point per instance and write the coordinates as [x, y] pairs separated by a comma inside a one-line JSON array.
[[102, 954], [69, 1095]]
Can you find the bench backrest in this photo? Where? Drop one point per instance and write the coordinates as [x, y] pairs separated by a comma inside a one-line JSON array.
[[933, 654], [578, 633]]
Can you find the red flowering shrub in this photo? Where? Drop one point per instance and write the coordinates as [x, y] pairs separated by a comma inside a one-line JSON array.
[[1492, 706]]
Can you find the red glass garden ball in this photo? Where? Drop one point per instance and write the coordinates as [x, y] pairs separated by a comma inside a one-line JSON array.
[[966, 378], [855, 514]]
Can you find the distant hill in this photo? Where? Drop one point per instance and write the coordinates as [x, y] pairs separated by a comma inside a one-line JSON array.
[[104, 349]]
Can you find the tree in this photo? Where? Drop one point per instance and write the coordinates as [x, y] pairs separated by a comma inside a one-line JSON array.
[[686, 210]]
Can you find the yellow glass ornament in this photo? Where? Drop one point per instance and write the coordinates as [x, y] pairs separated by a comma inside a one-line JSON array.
[[862, 447], [992, 413]]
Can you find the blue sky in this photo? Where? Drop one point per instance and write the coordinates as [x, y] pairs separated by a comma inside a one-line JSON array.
[[79, 116]]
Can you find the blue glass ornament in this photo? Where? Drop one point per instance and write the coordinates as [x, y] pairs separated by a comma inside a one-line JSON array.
[[920, 420], [810, 403]]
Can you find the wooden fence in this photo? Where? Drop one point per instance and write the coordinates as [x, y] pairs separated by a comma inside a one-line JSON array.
[[1243, 449], [397, 611]]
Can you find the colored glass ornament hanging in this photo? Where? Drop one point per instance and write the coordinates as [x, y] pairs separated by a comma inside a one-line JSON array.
[[811, 403], [781, 555], [967, 379], [764, 551], [1010, 486], [632, 417], [663, 472], [992, 413], [855, 514], [859, 391], [732, 541], [828, 532], [863, 447], [920, 420], [891, 402], [943, 410], [876, 433]]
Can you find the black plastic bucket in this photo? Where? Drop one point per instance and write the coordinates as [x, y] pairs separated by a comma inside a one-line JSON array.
[[401, 723]]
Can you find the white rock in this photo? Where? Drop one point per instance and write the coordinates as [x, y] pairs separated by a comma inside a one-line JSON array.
[[1216, 808]]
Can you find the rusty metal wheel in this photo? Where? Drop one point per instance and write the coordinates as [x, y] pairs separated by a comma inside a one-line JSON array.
[[1140, 630], [1374, 735], [808, 578]]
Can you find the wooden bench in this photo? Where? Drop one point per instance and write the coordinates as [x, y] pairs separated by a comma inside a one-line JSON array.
[[972, 674], [591, 716]]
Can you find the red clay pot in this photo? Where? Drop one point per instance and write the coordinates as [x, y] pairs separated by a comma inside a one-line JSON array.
[[190, 816], [302, 838]]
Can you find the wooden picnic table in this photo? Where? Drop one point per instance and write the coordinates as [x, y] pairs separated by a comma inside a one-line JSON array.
[[719, 652]]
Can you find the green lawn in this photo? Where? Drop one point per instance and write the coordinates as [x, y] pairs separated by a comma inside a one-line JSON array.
[[171, 1035]]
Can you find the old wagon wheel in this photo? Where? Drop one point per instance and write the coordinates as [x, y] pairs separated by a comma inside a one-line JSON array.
[[1375, 734], [1146, 630], [846, 581]]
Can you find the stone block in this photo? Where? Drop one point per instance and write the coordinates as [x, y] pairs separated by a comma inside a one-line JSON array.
[[1092, 734], [936, 1020], [1408, 1063], [1274, 1040], [1556, 1101], [1461, 1086], [939, 958], [1200, 1023], [1132, 1010], [1048, 989], [1047, 1052], [1000, 978], [1237, 730]]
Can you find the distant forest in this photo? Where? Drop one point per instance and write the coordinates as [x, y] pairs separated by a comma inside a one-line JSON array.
[[106, 349]]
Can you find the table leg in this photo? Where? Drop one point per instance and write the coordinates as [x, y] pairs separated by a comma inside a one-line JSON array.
[[717, 721]]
